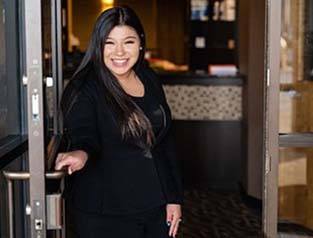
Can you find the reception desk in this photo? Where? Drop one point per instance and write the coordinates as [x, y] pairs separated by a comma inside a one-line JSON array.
[[207, 123]]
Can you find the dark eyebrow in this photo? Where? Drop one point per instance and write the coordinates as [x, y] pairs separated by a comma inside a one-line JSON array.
[[126, 38], [132, 37]]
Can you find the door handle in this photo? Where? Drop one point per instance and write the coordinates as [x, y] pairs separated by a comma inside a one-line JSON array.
[[11, 176], [59, 174]]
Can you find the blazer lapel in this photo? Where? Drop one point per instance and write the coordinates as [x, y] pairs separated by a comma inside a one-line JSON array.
[[149, 81], [164, 129]]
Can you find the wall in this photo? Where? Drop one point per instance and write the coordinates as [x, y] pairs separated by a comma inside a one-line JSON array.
[[243, 38], [251, 63], [172, 30], [207, 129], [84, 15]]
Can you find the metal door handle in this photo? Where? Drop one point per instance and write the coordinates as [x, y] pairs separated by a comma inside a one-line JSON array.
[[58, 174], [11, 176]]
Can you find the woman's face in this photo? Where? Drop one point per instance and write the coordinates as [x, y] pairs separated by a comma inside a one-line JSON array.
[[121, 50]]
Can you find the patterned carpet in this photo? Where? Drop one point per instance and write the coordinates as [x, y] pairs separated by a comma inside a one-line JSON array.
[[215, 214], [209, 214]]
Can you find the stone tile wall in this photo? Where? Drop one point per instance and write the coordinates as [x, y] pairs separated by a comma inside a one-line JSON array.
[[194, 102]]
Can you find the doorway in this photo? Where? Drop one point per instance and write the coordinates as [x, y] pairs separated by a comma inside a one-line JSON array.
[[287, 200]]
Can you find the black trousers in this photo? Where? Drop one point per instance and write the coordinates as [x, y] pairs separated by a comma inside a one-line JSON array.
[[148, 224]]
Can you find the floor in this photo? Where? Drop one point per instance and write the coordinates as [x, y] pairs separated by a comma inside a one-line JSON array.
[[216, 214]]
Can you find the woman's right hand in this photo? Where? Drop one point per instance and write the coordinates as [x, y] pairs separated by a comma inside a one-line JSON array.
[[73, 160]]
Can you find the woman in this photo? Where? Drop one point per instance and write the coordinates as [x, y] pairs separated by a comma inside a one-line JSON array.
[[124, 177]]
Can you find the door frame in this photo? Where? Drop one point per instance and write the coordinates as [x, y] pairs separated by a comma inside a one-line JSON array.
[[35, 114], [271, 115]]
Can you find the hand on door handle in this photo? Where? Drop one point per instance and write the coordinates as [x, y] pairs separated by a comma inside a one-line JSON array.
[[73, 160]]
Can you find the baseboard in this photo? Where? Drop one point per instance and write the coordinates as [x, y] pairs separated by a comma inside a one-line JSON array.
[[253, 203]]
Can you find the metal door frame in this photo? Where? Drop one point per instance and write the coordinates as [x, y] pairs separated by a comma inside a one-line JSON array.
[[35, 114], [271, 144], [35, 84]]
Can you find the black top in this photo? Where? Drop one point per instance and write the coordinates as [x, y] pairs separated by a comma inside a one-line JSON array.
[[150, 185], [120, 176], [151, 108]]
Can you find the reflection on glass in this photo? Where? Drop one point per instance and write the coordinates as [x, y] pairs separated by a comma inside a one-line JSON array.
[[3, 78], [296, 95], [19, 187], [10, 57], [296, 186], [295, 203], [47, 65]]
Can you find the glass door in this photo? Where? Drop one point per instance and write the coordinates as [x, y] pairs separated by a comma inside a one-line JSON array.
[[13, 129], [288, 190], [40, 64], [295, 169]]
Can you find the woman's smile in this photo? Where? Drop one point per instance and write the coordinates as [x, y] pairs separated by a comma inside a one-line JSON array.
[[120, 62]]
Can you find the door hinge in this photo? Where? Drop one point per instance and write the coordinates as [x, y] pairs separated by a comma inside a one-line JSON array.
[[268, 163], [24, 80], [49, 82], [28, 210], [3, 16], [268, 75]]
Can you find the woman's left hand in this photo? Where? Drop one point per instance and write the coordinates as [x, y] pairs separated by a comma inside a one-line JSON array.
[[173, 217]]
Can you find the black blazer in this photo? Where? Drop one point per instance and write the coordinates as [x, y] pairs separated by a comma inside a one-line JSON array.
[[91, 126]]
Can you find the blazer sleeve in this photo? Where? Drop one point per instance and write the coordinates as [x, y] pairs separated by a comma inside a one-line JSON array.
[[80, 124], [174, 168], [168, 144]]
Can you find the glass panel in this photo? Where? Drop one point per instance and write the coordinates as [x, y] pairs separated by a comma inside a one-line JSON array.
[[3, 88], [47, 66], [295, 183], [296, 77], [9, 69], [295, 205], [19, 201]]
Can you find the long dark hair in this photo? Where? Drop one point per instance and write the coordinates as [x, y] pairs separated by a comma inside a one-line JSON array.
[[131, 119]]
